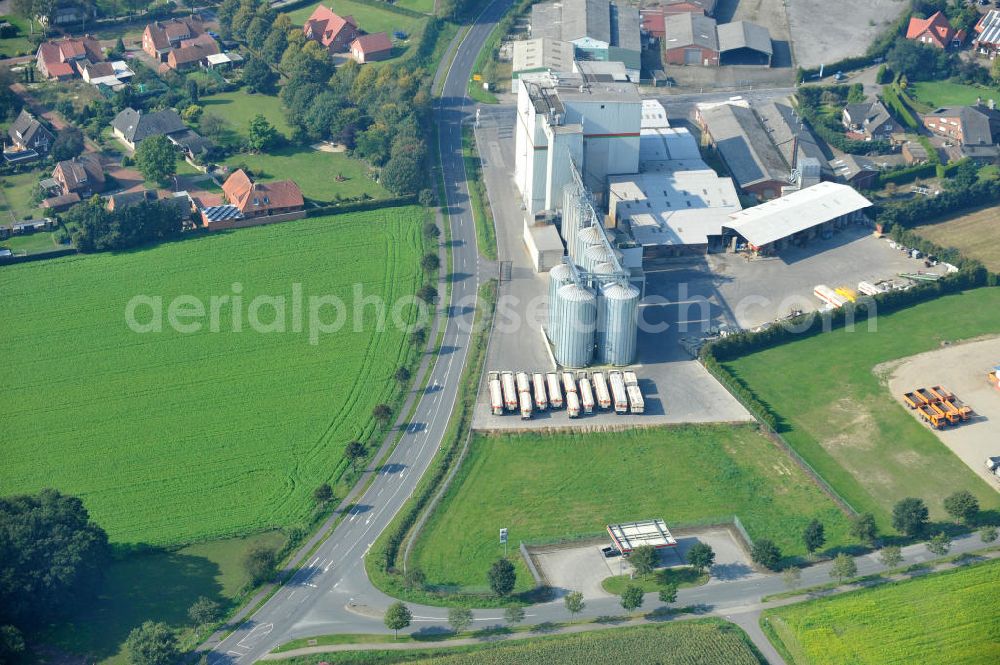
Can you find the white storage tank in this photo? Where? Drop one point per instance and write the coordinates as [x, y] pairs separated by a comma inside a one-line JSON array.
[[577, 307], [618, 324], [584, 239], [559, 277], [594, 256]]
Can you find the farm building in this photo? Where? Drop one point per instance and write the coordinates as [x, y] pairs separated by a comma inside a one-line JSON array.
[[858, 172], [61, 59], [870, 119], [914, 153], [799, 215], [333, 31], [934, 30], [29, 138], [631, 535], [371, 48], [564, 118], [542, 54], [746, 148], [987, 39], [793, 138], [598, 30], [976, 129], [744, 43]]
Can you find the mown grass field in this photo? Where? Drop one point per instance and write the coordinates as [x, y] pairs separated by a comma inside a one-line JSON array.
[[841, 418], [935, 94], [239, 107], [705, 642], [315, 172], [976, 234], [171, 437], [15, 196], [555, 486], [159, 586], [940, 619]]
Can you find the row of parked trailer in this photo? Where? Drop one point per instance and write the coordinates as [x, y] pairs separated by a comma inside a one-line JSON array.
[[937, 406], [584, 392]]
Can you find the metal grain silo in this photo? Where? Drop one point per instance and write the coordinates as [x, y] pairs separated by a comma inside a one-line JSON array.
[[586, 237], [575, 331], [559, 276], [571, 213], [595, 255], [618, 323]]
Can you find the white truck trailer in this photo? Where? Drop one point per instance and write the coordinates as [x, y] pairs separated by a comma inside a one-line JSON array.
[[601, 390], [555, 392], [636, 403], [586, 392], [509, 390], [523, 382], [538, 381], [496, 394], [573, 405], [568, 382], [618, 394], [525, 401]]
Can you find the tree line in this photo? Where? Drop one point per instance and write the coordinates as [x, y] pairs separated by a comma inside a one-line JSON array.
[[93, 228]]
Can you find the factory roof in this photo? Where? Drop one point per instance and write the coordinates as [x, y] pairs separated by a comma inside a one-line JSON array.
[[676, 202], [661, 144], [542, 53], [601, 71], [793, 139], [654, 116], [744, 34], [796, 211], [625, 23], [594, 20], [744, 144], [586, 18], [635, 534], [688, 29], [548, 90], [546, 237], [849, 166]]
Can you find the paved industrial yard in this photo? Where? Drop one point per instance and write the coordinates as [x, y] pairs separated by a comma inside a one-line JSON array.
[[824, 31], [582, 567], [962, 369]]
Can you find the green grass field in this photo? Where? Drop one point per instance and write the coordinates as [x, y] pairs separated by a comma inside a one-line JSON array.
[[15, 196], [976, 234], [240, 107], [704, 642], [942, 93], [315, 172], [160, 586], [19, 44], [370, 18], [841, 418], [425, 6], [940, 619], [32, 243], [554, 486], [186, 437]]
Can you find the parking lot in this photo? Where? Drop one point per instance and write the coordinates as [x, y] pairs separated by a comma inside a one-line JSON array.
[[582, 567], [825, 32]]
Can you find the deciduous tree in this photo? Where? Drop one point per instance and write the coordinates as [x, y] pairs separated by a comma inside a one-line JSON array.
[[502, 577], [863, 528], [152, 643], [68, 144], [843, 567], [459, 618], [668, 594], [766, 553], [261, 134], [909, 516], [397, 617], [355, 450], [939, 544], [204, 611], [644, 559], [574, 602], [631, 598], [701, 556], [259, 563], [962, 506], [156, 158], [890, 556], [323, 493], [813, 536], [513, 614]]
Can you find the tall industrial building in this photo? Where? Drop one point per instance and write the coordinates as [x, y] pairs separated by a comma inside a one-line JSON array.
[[564, 118]]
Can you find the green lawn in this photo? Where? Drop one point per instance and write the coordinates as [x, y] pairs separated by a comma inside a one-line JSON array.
[[32, 243], [15, 195], [188, 436], [315, 171], [940, 619], [841, 418], [425, 6], [239, 107], [19, 44], [159, 586], [554, 486], [942, 93], [704, 642], [370, 18]]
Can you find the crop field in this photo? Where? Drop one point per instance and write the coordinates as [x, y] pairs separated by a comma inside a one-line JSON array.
[[315, 172], [557, 486], [838, 414], [976, 234], [172, 437], [705, 642], [939, 619]]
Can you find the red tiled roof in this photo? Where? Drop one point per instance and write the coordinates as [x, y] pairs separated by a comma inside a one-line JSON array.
[[937, 25], [325, 25], [368, 44], [654, 21], [251, 197]]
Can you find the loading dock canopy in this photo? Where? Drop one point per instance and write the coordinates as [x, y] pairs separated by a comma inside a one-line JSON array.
[[631, 535], [797, 211]]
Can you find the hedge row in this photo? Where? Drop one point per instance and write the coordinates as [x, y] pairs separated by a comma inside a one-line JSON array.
[[926, 208], [891, 99], [908, 174], [373, 204]]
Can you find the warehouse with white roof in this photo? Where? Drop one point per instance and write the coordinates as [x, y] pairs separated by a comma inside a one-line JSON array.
[[797, 216]]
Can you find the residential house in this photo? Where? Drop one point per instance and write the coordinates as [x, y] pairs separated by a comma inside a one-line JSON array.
[[870, 119], [61, 202], [260, 199], [130, 198], [83, 176], [132, 127], [161, 37], [61, 59], [935, 31], [27, 134], [112, 74], [987, 39], [333, 31], [976, 129], [371, 48], [192, 53]]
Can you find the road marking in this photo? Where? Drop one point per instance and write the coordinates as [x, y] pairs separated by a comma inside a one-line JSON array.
[[263, 630]]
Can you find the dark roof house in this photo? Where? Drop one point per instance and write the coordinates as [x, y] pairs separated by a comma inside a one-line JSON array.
[[83, 176], [133, 126], [869, 118], [27, 133]]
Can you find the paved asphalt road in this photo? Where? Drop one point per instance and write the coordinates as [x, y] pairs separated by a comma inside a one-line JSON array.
[[331, 592]]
